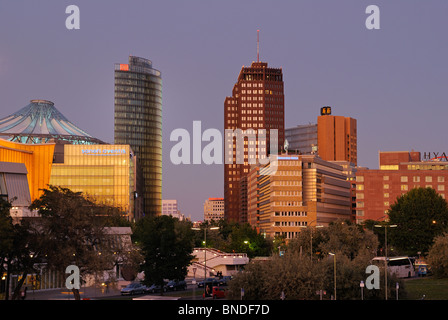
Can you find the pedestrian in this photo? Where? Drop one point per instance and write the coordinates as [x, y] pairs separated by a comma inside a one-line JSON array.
[[23, 293]]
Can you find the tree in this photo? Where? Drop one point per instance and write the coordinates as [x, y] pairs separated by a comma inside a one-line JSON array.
[[20, 248], [438, 256], [298, 277], [72, 231], [166, 245], [420, 216], [344, 237]]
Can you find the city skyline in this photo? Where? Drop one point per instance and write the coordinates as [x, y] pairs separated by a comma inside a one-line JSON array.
[[391, 80]]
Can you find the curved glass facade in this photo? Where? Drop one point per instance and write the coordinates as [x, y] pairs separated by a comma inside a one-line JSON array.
[[138, 123]]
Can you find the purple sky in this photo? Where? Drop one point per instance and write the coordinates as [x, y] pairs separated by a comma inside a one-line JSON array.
[[393, 80]]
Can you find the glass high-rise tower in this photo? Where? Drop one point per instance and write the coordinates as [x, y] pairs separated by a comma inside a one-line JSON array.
[[138, 122]]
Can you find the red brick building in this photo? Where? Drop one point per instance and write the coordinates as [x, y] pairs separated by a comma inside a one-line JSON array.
[[398, 173], [257, 102]]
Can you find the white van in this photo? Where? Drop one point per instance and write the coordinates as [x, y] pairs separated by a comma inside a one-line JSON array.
[[401, 266]]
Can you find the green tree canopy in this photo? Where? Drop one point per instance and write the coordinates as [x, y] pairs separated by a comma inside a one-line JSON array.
[[420, 216], [73, 231], [166, 245], [438, 256]]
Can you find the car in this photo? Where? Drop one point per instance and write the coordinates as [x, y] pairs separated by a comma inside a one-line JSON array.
[[175, 285], [224, 280], [156, 288], [133, 288], [208, 281], [216, 293]]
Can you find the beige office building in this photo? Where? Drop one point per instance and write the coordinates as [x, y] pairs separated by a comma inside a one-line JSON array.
[[295, 192], [214, 209]]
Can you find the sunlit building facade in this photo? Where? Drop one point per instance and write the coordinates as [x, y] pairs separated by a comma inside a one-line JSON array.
[[294, 192], [138, 123], [214, 209], [107, 173], [37, 158], [398, 173], [257, 103]]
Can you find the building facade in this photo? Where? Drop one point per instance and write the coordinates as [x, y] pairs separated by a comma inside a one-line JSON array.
[[214, 209], [337, 137], [257, 103], [295, 192], [37, 159], [107, 173], [138, 123], [302, 138], [398, 173]]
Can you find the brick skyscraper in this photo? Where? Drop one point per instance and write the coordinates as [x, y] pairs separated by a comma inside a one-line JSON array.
[[257, 102]]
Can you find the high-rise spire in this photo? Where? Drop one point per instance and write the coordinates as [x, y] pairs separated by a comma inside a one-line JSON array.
[[258, 45]]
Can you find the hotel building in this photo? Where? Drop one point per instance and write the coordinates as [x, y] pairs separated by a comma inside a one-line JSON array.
[[257, 103], [398, 173], [138, 123], [296, 191]]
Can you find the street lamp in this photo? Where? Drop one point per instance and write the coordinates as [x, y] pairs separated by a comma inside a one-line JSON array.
[[317, 226], [385, 246], [205, 252], [361, 285], [334, 258]]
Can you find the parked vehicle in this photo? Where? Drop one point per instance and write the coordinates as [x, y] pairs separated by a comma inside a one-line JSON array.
[[215, 293], [133, 288], [401, 266], [224, 280], [156, 288], [208, 281], [175, 285]]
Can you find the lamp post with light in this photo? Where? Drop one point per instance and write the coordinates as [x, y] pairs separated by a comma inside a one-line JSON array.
[[334, 258], [205, 252], [385, 247], [311, 233]]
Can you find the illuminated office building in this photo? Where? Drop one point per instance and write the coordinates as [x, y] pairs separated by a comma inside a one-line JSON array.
[[302, 191], [336, 137], [214, 209], [257, 103], [138, 123], [107, 173]]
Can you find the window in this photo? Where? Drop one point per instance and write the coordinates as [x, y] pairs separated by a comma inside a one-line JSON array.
[[416, 179], [360, 178], [385, 178], [404, 187], [386, 186], [441, 187], [360, 187], [386, 195], [440, 179], [428, 179], [404, 179]]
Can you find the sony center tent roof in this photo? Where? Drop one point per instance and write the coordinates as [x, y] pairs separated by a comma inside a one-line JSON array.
[[41, 122]]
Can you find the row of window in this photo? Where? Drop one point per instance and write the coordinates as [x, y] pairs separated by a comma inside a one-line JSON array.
[[406, 178], [291, 213], [404, 187]]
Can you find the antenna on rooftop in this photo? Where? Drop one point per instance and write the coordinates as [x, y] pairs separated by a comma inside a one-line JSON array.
[[258, 46]]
